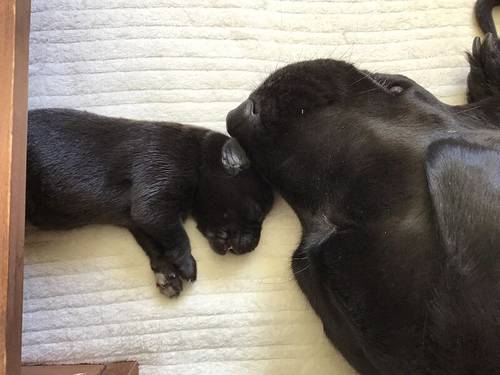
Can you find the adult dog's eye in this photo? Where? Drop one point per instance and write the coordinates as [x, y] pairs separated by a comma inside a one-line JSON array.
[[395, 89]]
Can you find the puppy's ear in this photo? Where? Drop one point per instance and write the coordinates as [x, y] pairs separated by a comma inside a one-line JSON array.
[[234, 158], [464, 184]]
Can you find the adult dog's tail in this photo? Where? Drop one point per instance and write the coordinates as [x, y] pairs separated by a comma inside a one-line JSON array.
[[484, 15]]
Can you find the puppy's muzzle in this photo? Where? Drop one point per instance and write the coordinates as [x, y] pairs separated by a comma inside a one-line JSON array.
[[237, 243]]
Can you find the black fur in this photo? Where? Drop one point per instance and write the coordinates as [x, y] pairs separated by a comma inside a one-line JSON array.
[[146, 176], [398, 195], [483, 11]]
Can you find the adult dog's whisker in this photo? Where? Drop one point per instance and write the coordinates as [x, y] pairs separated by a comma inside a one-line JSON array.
[[302, 269], [365, 76], [468, 110], [370, 90]]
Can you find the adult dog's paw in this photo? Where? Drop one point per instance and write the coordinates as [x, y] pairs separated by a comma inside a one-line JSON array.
[[484, 76]]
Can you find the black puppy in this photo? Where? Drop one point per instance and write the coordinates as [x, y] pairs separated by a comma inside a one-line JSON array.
[[146, 176], [398, 195]]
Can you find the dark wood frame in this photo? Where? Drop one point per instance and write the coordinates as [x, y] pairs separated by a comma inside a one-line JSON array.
[[119, 368], [14, 35]]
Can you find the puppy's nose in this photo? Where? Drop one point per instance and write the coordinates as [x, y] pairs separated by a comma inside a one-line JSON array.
[[245, 243], [245, 112]]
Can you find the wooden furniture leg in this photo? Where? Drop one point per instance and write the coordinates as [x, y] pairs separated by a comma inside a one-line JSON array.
[[14, 32]]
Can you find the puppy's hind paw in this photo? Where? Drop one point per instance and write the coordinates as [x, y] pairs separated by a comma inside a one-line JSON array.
[[484, 76], [170, 284]]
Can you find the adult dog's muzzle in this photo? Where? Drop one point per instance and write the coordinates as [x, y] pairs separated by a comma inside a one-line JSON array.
[[242, 114]]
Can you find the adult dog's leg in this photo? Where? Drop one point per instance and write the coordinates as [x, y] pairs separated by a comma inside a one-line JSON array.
[[167, 277]]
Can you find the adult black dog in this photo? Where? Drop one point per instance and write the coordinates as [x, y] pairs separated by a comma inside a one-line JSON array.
[[398, 195], [147, 176]]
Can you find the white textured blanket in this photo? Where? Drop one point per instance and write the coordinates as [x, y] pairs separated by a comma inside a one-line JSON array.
[[89, 293]]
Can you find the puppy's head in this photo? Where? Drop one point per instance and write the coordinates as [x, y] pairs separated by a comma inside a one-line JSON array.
[[232, 200], [315, 122]]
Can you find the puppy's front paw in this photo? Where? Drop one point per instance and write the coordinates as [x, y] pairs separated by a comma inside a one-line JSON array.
[[168, 279], [170, 284], [187, 267], [484, 75]]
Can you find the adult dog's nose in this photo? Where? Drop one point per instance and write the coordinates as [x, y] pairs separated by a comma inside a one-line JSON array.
[[244, 113]]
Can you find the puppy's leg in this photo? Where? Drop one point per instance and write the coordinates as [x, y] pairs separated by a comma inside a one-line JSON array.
[[484, 77], [167, 277], [162, 222]]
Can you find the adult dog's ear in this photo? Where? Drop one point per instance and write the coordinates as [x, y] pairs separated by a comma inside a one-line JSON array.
[[234, 158], [464, 184]]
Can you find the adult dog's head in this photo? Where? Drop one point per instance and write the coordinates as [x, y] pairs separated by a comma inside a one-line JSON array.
[[323, 124]]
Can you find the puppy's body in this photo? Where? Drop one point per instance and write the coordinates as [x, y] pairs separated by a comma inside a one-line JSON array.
[[399, 199], [81, 167], [146, 176]]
